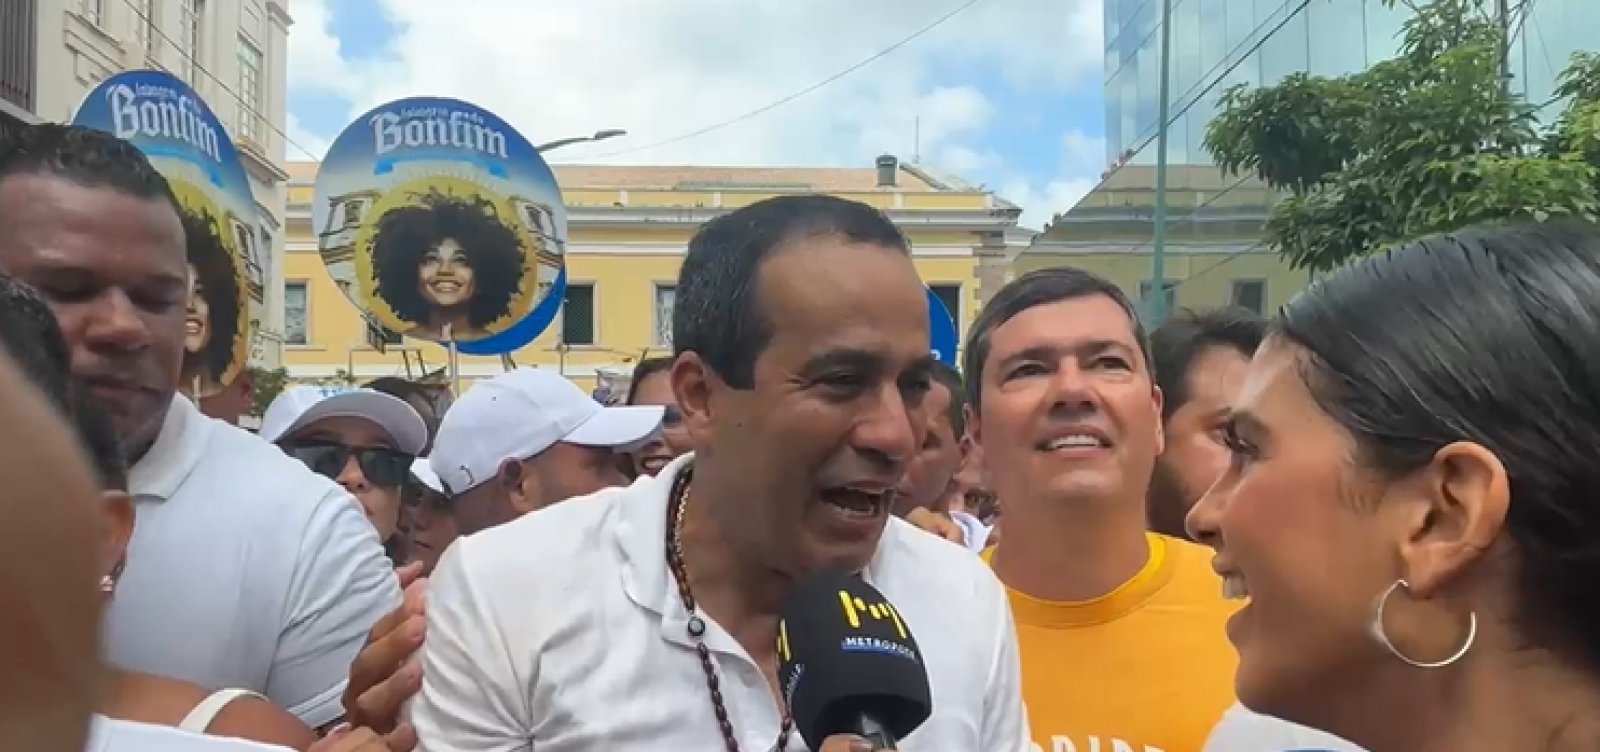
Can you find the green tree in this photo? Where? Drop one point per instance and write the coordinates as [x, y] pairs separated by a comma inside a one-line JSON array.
[[1427, 142], [269, 382]]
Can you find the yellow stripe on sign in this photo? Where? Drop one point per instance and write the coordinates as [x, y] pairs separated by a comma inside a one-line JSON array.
[[849, 609], [783, 640]]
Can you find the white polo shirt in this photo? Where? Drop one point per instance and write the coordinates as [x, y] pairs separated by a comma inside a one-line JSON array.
[[563, 632], [246, 570], [111, 735]]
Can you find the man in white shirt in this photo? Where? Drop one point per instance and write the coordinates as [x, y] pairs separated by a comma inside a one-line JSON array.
[[645, 618], [527, 439], [245, 570]]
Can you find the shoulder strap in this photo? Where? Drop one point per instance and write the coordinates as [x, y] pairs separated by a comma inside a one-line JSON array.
[[200, 719]]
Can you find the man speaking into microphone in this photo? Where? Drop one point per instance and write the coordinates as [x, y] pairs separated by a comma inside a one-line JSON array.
[[646, 618]]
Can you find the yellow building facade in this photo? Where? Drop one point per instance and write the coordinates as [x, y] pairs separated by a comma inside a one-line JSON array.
[[1214, 254], [627, 230]]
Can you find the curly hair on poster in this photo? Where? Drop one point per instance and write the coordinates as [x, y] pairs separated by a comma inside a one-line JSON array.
[[447, 260], [212, 322]]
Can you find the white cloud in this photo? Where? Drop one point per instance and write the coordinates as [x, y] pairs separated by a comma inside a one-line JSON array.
[[303, 144], [661, 69], [1081, 159]]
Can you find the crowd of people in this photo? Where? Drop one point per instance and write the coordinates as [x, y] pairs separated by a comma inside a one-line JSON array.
[[1362, 522]]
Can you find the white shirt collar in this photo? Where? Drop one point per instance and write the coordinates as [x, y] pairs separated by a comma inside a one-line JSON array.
[[177, 450]]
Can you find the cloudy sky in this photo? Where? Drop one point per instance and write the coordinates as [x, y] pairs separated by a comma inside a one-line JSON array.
[[1008, 92]]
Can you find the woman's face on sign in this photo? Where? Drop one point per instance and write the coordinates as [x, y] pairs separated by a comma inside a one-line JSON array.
[[197, 317], [445, 275]]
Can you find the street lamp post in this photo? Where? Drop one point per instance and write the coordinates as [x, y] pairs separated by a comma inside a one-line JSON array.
[[598, 136]]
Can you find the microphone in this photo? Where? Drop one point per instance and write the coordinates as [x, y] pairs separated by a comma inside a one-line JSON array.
[[848, 664]]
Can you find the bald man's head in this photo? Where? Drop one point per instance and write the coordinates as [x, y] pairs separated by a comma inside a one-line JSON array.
[[49, 597]]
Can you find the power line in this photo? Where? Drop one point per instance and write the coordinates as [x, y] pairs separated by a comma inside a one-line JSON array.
[[790, 98], [195, 64]]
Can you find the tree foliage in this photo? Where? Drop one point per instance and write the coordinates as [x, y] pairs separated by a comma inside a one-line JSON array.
[[269, 383], [1429, 141]]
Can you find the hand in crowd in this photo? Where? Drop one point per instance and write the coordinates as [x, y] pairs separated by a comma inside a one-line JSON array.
[[388, 671], [939, 524], [346, 739]]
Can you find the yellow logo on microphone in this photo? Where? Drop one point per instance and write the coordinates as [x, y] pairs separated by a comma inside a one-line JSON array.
[[855, 608]]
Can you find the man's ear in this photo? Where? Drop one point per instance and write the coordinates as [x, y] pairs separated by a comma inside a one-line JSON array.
[[694, 385], [513, 479]]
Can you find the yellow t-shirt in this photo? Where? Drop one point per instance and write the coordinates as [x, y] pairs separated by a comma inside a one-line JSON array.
[[1145, 668]]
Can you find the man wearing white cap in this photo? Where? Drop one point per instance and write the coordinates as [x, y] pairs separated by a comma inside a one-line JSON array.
[[527, 439], [364, 440]]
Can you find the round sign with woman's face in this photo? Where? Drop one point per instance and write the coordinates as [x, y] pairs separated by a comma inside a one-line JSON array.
[[440, 222], [183, 139]]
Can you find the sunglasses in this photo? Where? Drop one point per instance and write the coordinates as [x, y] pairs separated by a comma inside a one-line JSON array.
[[382, 467]]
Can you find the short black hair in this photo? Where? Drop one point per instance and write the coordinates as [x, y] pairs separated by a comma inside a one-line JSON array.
[[717, 313], [394, 386], [1031, 290], [646, 368], [947, 376], [86, 156], [32, 337], [1186, 335], [218, 280], [406, 234]]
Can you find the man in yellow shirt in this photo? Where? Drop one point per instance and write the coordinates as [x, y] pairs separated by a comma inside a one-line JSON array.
[[1121, 631]]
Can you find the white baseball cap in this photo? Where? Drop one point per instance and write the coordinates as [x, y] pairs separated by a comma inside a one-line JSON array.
[[298, 406], [424, 472], [521, 413]]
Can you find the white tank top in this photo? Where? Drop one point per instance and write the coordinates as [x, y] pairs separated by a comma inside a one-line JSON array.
[[200, 719]]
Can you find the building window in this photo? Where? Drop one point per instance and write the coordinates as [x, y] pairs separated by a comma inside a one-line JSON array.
[[144, 24], [265, 251], [252, 100], [93, 10], [666, 296], [577, 315], [1171, 288], [191, 44], [950, 296], [1250, 294], [296, 327]]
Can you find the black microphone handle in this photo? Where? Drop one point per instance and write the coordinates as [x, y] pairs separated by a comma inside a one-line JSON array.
[[870, 729]]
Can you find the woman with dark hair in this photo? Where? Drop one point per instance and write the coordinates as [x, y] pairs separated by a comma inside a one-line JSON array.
[[1410, 508], [212, 323], [447, 261], [651, 384]]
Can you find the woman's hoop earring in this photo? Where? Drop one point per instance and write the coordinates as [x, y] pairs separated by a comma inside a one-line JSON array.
[[1382, 636]]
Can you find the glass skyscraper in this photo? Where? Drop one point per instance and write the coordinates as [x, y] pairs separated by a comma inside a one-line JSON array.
[[1213, 228], [1220, 43]]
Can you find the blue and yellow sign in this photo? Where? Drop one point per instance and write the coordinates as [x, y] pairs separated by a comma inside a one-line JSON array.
[[443, 223], [183, 139]]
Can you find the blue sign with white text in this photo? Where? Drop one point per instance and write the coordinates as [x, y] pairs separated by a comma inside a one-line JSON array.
[[443, 223]]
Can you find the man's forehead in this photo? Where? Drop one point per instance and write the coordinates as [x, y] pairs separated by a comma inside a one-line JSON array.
[[1074, 323]]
